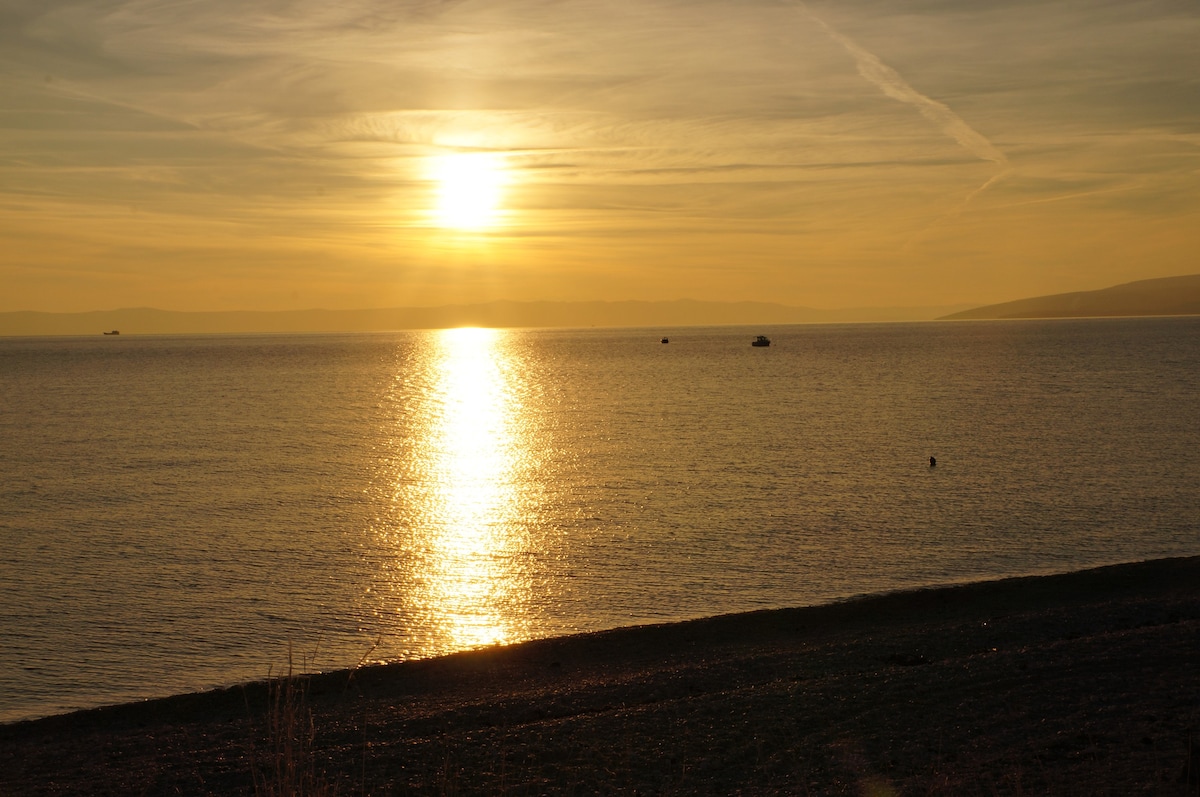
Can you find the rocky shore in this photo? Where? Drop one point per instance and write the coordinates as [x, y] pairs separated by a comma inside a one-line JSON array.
[[1084, 683]]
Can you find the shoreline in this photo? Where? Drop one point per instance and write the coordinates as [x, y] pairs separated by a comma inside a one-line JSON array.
[[216, 688], [1079, 683]]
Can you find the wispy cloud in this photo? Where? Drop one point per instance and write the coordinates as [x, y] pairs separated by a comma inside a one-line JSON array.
[[891, 83], [673, 137]]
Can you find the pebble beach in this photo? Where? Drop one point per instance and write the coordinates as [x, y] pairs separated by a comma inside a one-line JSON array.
[[1079, 683]]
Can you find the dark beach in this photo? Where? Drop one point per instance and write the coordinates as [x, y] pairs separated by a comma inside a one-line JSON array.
[[1084, 683]]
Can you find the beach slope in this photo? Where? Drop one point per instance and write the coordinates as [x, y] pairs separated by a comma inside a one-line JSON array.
[[1084, 683]]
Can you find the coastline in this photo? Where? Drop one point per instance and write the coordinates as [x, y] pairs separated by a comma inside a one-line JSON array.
[[1082, 683]]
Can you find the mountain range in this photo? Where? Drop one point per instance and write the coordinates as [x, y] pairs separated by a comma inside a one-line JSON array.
[[1164, 296], [492, 314]]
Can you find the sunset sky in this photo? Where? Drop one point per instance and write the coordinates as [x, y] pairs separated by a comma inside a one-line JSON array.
[[286, 154]]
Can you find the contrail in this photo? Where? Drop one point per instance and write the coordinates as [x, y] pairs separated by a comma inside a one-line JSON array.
[[893, 85]]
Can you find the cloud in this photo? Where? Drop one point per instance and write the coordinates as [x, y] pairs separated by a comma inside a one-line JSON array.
[[893, 85], [690, 131]]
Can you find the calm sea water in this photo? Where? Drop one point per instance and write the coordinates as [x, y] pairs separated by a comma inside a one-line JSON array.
[[179, 512]]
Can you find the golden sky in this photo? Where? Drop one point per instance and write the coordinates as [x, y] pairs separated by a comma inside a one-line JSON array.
[[284, 154]]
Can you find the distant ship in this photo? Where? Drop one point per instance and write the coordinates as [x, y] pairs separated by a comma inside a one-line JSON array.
[[114, 332], [761, 340]]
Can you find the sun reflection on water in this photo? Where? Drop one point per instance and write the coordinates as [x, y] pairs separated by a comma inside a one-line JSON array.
[[457, 499]]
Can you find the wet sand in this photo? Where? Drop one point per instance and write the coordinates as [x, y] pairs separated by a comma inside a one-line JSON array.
[[1085, 683]]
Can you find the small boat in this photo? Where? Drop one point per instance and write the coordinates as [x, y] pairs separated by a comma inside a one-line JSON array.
[[114, 332], [666, 340], [761, 340]]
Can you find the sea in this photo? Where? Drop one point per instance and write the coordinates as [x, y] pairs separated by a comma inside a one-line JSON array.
[[180, 513]]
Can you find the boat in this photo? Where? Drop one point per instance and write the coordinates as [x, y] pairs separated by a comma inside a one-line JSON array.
[[666, 340], [114, 332], [761, 340]]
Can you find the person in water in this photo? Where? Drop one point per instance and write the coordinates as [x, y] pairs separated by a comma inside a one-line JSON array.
[[933, 462]]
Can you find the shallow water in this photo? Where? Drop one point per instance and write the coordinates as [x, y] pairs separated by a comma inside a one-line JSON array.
[[179, 512]]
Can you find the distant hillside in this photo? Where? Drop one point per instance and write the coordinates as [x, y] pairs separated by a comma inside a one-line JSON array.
[[1166, 296], [148, 321]]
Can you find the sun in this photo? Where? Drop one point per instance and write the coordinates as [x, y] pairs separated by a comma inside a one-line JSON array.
[[470, 187]]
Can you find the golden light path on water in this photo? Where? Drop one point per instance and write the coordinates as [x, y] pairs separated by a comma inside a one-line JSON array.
[[455, 527]]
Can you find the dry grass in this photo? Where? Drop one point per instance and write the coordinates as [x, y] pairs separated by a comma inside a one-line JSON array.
[[287, 767]]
